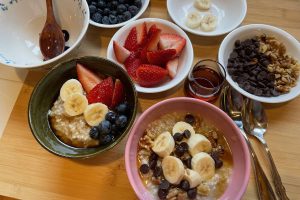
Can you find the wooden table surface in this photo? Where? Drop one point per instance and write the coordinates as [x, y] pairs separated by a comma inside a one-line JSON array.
[[27, 171]]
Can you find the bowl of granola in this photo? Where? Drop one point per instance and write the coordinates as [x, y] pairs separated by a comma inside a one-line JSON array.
[[182, 148], [82, 107], [262, 63]]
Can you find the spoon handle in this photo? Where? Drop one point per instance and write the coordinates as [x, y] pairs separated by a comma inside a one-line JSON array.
[[264, 188], [50, 14], [280, 190]]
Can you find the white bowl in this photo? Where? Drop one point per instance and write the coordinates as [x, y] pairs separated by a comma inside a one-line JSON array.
[[230, 14], [248, 31], [185, 59], [22, 22], [145, 4]]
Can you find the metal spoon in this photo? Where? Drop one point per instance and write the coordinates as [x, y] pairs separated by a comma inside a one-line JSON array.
[[231, 103], [256, 123], [52, 42]]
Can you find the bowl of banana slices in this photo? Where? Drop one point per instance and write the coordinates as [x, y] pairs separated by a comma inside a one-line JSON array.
[[183, 148], [82, 107], [207, 17]]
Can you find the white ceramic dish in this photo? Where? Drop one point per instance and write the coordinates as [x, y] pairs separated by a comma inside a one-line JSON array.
[[230, 14], [22, 21], [248, 31], [145, 4], [185, 59]]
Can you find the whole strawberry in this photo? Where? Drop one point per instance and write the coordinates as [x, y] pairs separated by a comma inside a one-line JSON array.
[[150, 75]]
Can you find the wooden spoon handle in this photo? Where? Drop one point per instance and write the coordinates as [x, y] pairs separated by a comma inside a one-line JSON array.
[[50, 14]]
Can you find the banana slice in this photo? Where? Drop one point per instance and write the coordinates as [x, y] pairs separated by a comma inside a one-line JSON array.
[[204, 164], [70, 87], [193, 20], [95, 113], [75, 104], [180, 127], [198, 143], [202, 4], [209, 22], [164, 144], [192, 177], [173, 169]]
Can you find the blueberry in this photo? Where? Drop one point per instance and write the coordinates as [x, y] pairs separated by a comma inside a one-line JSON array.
[[133, 10], [114, 129], [185, 185], [105, 20], [121, 1], [121, 8], [66, 48], [109, 6], [127, 15], [187, 134], [113, 19], [94, 3], [164, 185], [101, 4], [111, 116], [89, 1], [122, 108], [94, 133], [192, 193], [97, 17], [105, 139], [106, 11], [104, 127], [114, 4], [120, 18], [138, 3], [93, 9], [144, 168], [178, 137], [99, 10], [126, 5], [189, 118], [121, 121], [115, 13]]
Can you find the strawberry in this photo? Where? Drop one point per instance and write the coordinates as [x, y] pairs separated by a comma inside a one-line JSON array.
[[87, 78], [118, 95], [152, 42], [152, 30], [102, 92], [131, 42], [160, 57], [150, 75], [172, 66], [142, 34], [172, 41], [120, 52], [132, 63]]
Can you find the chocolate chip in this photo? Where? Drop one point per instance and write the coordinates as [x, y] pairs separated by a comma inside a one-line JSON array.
[[144, 168], [157, 171]]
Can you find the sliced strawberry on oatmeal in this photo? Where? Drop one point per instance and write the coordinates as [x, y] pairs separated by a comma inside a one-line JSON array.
[[132, 63], [102, 93], [160, 57], [118, 95], [87, 78], [172, 41], [131, 42], [150, 75], [172, 67], [120, 52]]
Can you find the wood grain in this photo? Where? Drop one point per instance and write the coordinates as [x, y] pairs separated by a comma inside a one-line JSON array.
[[27, 171]]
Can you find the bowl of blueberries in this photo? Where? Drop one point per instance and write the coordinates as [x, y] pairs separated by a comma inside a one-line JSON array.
[[115, 13]]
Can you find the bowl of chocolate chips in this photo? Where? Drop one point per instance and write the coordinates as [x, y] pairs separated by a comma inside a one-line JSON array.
[[262, 62]]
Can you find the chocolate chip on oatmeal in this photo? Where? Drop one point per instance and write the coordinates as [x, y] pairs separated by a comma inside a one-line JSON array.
[[178, 137], [188, 162], [157, 171], [144, 168], [153, 156], [184, 146], [185, 185], [179, 150], [192, 193], [152, 164], [189, 118], [187, 134], [164, 185], [162, 194], [218, 163]]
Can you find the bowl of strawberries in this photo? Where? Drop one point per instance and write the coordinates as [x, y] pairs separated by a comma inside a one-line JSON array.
[[82, 107], [156, 54]]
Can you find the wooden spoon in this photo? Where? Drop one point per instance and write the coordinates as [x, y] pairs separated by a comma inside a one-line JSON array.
[[52, 42]]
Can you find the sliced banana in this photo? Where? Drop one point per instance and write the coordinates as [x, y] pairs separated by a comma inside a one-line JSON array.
[[204, 164], [198, 143], [164, 144], [202, 4], [173, 169], [192, 177], [75, 104], [95, 113], [209, 22], [70, 87], [181, 126], [193, 20]]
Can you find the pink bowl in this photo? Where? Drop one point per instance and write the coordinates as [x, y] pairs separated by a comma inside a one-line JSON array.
[[241, 158]]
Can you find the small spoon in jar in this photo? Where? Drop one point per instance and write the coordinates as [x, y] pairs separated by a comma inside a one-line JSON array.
[[256, 123], [52, 42]]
